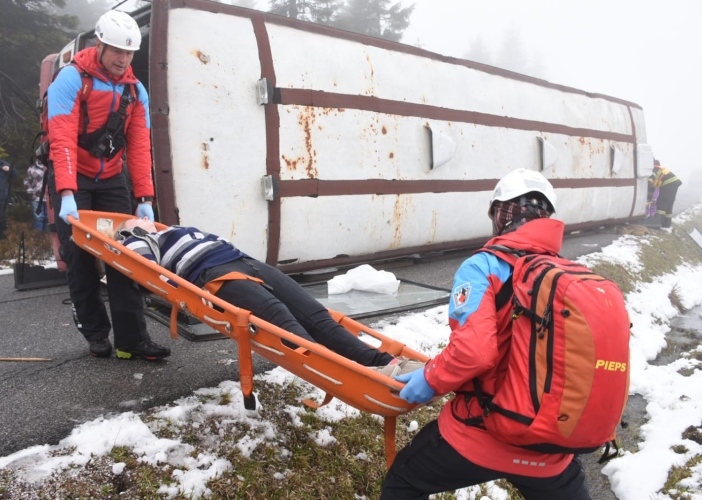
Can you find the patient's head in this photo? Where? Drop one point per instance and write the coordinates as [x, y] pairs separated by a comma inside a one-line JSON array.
[[144, 224]]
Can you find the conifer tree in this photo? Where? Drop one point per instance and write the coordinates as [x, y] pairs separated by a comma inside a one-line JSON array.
[[379, 18], [29, 31], [316, 11]]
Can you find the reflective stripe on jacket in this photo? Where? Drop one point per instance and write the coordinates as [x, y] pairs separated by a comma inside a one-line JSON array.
[[662, 177]]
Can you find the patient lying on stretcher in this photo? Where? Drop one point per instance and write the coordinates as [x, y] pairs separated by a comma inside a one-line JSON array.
[[200, 258]]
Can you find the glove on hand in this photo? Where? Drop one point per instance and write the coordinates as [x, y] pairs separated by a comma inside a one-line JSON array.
[[68, 207], [417, 389], [145, 210]]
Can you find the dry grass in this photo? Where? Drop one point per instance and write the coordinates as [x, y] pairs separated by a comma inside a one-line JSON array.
[[677, 473], [661, 253], [676, 300], [37, 245]]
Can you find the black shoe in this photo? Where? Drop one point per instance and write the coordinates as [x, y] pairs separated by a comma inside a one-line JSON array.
[[101, 348], [145, 349]]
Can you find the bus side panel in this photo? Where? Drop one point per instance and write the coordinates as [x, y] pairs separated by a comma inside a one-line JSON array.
[[217, 129], [305, 60], [361, 225]]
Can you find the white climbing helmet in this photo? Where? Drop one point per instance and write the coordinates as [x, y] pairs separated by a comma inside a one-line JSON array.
[[119, 30], [522, 181]]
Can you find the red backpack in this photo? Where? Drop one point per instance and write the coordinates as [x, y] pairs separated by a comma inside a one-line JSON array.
[[567, 377], [42, 152]]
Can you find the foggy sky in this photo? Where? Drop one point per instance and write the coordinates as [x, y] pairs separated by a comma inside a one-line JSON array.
[[645, 51]]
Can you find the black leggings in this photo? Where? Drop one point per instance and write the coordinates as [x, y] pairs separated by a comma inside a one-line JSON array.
[[284, 303], [428, 465]]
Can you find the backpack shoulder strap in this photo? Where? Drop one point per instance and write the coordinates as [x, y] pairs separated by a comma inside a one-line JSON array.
[[85, 90], [504, 295], [87, 87], [509, 255]]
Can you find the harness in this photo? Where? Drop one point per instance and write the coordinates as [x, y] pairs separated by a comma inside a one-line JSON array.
[[109, 139]]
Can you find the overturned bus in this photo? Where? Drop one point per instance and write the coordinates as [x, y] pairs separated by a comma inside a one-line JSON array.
[[311, 147]]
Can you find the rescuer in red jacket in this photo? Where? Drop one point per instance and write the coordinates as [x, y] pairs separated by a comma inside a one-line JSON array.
[[447, 454], [98, 112]]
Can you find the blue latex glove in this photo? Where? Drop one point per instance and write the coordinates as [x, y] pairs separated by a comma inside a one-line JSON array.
[[145, 210], [68, 207], [417, 389]]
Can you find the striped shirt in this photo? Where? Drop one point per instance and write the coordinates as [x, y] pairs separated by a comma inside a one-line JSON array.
[[185, 251]]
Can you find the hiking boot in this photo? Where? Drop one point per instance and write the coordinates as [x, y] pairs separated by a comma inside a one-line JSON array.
[[145, 349], [100, 348], [399, 366]]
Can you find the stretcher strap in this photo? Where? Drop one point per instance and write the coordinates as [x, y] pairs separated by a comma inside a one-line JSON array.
[[214, 285], [390, 450], [395, 348]]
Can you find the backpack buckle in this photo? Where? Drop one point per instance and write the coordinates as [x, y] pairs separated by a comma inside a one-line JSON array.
[[488, 407]]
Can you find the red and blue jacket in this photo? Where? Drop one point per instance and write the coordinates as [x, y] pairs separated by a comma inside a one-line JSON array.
[[479, 348], [66, 123]]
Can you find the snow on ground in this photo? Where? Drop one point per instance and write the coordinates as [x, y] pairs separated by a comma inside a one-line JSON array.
[[674, 403]]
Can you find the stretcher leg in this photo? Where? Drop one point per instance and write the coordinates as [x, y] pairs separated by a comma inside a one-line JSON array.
[[245, 361], [174, 321], [390, 450]]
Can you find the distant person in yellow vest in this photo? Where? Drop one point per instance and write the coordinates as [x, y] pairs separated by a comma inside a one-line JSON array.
[[667, 183]]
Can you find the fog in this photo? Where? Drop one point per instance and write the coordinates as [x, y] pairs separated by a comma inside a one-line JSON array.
[[643, 51]]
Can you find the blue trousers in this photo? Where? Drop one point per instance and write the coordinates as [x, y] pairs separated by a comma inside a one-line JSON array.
[[41, 221]]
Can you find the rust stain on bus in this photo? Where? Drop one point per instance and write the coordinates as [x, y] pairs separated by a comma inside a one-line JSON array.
[[306, 121], [594, 146], [205, 156], [434, 226], [399, 213], [292, 163], [204, 58]]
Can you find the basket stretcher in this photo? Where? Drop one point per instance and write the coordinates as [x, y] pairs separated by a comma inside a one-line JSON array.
[[341, 378]]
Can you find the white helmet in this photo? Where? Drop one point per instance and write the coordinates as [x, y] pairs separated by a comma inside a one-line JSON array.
[[119, 30], [522, 181]]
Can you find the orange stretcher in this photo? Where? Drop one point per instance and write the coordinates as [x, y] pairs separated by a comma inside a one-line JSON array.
[[341, 378]]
